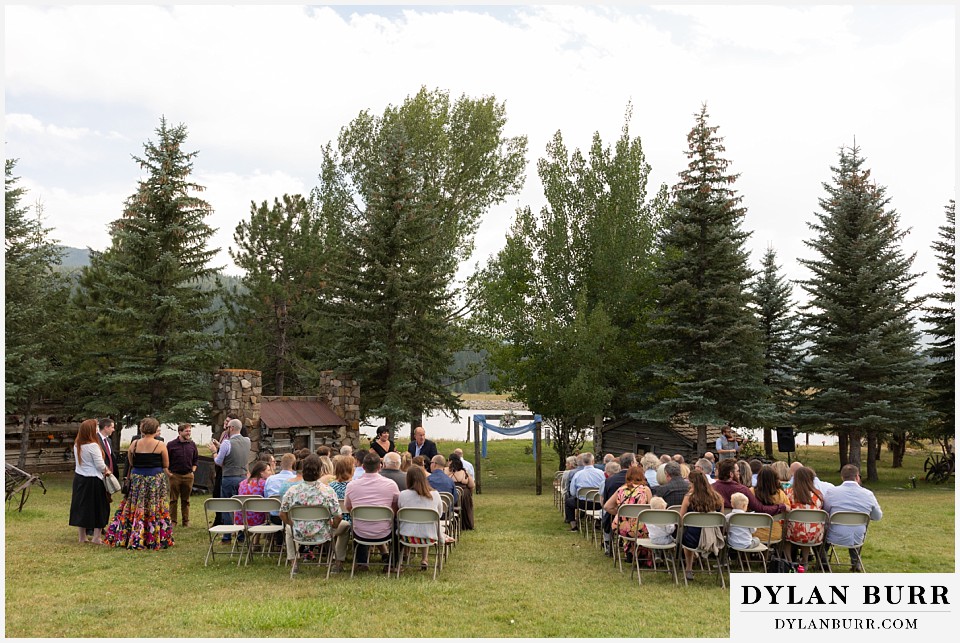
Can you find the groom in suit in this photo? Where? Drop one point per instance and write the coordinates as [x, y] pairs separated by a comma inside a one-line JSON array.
[[421, 445], [106, 443]]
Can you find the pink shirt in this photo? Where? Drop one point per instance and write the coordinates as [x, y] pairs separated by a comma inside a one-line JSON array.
[[372, 489]]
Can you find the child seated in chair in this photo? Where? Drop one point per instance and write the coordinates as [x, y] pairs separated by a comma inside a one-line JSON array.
[[740, 537], [660, 534]]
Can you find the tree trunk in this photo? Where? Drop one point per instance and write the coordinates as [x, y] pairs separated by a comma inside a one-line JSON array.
[[872, 456], [598, 434], [416, 419], [898, 447], [768, 442], [24, 438], [281, 357], [855, 449], [702, 440], [843, 439]]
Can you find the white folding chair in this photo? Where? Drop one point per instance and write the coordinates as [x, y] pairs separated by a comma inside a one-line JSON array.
[[625, 512], [420, 516], [369, 513], [749, 521], [848, 519], [257, 504], [705, 520], [809, 517], [667, 553], [215, 532], [302, 513]]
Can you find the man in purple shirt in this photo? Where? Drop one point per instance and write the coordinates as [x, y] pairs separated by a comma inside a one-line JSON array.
[[371, 489], [184, 458]]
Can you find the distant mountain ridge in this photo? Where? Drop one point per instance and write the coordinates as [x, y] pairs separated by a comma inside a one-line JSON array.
[[74, 257]]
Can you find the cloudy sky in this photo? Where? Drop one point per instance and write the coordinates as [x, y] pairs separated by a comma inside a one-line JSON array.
[[261, 89]]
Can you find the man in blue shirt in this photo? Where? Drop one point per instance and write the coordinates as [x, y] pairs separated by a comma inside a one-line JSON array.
[[589, 476], [850, 496], [440, 480]]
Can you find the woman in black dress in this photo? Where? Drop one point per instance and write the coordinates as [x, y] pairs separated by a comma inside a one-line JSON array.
[[89, 506], [383, 444]]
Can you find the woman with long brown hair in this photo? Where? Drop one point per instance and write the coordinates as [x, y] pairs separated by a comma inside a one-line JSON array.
[[769, 492], [701, 498], [804, 495], [143, 519], [89, 505], [420, 494]]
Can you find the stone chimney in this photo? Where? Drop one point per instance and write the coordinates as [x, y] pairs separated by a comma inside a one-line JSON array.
[[342, 395], [239, 391]]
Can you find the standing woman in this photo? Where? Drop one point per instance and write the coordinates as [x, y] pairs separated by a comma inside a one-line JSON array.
[[466, 484], [383, 444], [143, 519], [89, 505]]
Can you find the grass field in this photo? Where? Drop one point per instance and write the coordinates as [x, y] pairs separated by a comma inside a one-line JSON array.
[[519, 574]]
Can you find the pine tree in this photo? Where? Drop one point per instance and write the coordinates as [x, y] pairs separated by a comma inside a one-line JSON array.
[[706, 337], [864, 369], [34, 304], [780, 339], [142, 297], [410, 187], [941, 319], [566, 299], [281, 249]]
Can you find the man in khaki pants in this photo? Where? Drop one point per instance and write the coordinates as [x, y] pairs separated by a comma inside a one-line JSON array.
[[183, 463]]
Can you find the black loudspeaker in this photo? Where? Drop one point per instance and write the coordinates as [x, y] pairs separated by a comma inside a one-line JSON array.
[[785, 440]]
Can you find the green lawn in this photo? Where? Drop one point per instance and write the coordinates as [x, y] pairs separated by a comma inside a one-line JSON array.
[[520, 574]]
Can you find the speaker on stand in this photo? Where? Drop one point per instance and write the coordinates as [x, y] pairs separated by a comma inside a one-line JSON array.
[[785, 441]]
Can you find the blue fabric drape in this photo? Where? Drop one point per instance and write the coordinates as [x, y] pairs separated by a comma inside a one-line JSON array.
[[505, 430]]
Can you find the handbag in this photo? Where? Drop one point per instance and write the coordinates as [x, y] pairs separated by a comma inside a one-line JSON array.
[[111, 483]]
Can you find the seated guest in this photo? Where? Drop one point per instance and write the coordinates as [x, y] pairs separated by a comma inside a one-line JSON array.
[[346, 449], [769, 492], [324, 450], [612, 468], [702, 497], [803, 495], [588, 476], [391, 470], [726, 486], [755, 466], [371, 489], [272, 486], [712, 458], [382, 444], [633, 492], [817, 482], [359, 457], [660, 534], [253, 486], [664, 458], [610, 487], [406, 461], [850, 496], [649, 462], [573, 465], [466, 465], [606, 460], [311, 492], [465, 485], [343, 474], [675, 486], [740, 537], [783, 472], [420, 494], [744, 474], [684, 470], [440, 480], [326, 469], [270, 460], [297, 476], [420, 461], [705, 467], [678, 458]]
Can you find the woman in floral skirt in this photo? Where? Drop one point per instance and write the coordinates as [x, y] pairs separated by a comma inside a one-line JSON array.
[[143, 519]]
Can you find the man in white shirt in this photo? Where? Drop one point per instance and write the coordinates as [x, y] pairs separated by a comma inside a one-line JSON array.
[[850, 496], [273, 484], [588, 476], [466, 465]]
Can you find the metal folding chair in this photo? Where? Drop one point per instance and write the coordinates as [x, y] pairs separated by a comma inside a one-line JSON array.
[[705, 520], [625, 512], [257, 504], [420, 516], [811, 517], [849, 519], [302, 513], [214, 532], [368, 513], [750, 521], [667, 553]]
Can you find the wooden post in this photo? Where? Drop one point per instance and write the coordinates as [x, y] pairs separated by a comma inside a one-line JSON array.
[[539, 457], [476, 453], [702, 440]]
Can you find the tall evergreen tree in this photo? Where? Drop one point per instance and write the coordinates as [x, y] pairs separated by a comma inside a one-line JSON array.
[[864, 369], [146, 310], [709, 351], [34, 302], [565, 300], [780, 339], [941, 317], [281, 249], [410, 187]]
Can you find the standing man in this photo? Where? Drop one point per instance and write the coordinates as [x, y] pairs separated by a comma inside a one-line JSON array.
[[727, 446], [421, 445], [232, 454], [106, 443], [850, 496], [184, 458]]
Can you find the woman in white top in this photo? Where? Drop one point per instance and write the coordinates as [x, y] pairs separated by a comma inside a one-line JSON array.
[[89, 505], [421, 495]]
